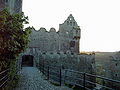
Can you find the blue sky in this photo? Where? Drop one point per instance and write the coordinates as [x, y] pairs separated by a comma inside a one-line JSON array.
[[99, 20]]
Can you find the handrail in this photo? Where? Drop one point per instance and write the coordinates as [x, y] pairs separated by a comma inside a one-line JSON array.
[[93, 75], [96, 76], [4, 82], [5, 78], [74, 78], [99, 85], [4, 71], [84, 79], [74, 71], [103, 77]]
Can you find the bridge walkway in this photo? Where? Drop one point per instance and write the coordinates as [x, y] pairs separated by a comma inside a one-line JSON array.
[[32, 79]]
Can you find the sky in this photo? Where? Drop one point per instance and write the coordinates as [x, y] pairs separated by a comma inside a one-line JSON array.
[[99, 20]]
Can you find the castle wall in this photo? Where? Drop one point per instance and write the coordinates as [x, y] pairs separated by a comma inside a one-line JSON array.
[[114, 66], [73, 61], [44, 40], [66, 39], [14, 6]]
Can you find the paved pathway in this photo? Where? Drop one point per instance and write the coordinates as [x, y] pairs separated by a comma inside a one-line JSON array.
[[31, 79]]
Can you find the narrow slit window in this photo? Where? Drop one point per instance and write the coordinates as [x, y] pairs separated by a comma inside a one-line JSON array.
[[67, 22], [71, 23]]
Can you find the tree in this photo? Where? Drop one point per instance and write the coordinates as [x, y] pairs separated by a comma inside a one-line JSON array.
[[13, 38]]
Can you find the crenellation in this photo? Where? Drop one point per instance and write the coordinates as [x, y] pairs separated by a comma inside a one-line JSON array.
[[60, 40]]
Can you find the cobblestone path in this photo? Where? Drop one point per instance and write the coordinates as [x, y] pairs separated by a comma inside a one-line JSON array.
[[31, 79]]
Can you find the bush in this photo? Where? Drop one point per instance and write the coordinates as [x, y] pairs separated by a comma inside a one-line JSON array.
[[13, 41]]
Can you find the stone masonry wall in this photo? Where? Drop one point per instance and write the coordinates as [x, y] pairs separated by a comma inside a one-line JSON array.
[[66, 39]]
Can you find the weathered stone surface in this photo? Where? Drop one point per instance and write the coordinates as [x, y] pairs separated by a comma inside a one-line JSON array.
[[66, 39], [31, 79], [14, 6]]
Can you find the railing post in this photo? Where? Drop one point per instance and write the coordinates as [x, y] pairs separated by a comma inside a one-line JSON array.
[[43, 66], [60, 76], [84, 80], [48, 73], [40, 66], [65, 72]]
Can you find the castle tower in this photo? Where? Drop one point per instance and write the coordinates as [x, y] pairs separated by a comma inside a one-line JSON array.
[[65, 40], [69, 33]]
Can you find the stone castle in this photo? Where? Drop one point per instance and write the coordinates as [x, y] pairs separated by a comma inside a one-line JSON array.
[[65, 39], [55, 47], [59, 47]]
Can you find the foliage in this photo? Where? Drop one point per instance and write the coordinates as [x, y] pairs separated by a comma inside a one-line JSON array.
[[100, 71], [13, 76], [3, 64], [13, 38]]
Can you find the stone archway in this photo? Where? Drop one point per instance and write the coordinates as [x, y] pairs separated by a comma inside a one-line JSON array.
[[27, 60]]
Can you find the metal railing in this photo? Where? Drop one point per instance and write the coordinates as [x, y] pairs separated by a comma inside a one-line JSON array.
[[80, 79], [52, 73], [89, 81], [4, 77]]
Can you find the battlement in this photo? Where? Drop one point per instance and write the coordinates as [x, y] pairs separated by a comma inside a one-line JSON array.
[[65, 39], [42, 29]]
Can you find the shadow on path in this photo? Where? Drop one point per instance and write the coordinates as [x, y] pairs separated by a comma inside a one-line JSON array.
[[31, 79]]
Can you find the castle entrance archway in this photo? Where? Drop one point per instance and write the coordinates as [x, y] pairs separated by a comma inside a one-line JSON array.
[[27, 60]]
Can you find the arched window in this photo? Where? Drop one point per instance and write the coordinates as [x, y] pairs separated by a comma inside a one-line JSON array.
[[74, 23]]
